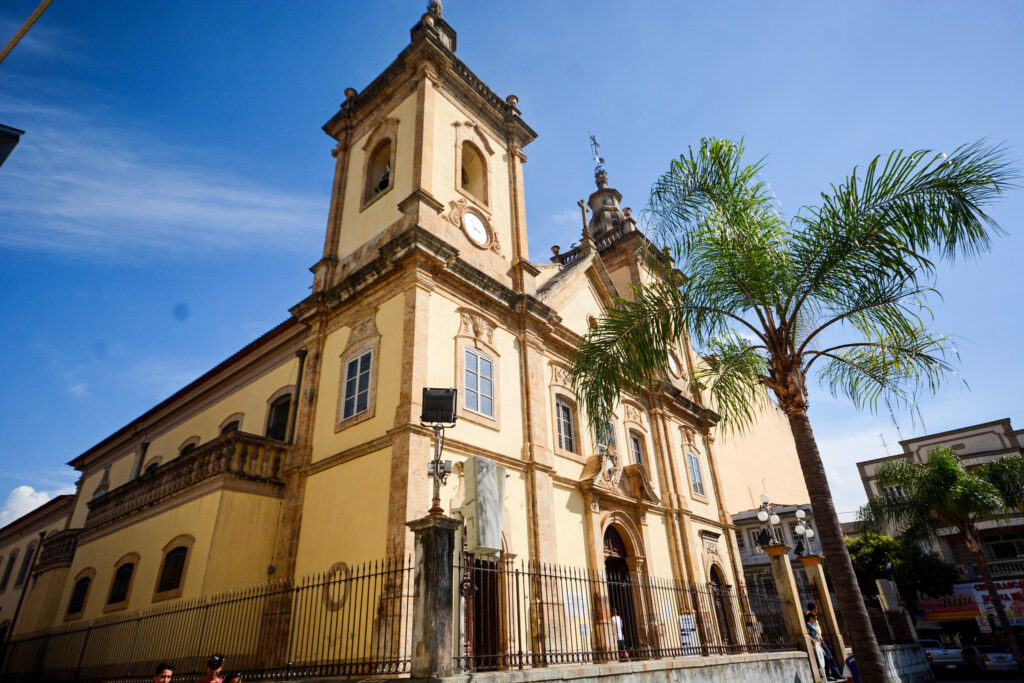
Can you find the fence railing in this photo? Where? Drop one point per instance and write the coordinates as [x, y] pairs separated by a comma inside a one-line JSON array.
[[513, 616], [345, 622]]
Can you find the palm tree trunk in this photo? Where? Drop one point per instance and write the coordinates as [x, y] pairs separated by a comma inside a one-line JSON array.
[[1004, 624], [870, 665]]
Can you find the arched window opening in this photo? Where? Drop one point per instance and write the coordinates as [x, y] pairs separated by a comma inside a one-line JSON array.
[[186, 449], [7, 570], [473, 172], [230, 427], [277, 418], [122, 581], [26, 564], [378, 171], [78, 595], [174, 568], [151, 467]]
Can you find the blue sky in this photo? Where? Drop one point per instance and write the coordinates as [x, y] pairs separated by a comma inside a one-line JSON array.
[[171, 189]]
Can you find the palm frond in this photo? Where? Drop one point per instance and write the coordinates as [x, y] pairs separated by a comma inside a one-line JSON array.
[[733, 373], [897, 366]]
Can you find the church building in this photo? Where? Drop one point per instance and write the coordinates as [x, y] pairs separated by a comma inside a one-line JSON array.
[[304, 450]]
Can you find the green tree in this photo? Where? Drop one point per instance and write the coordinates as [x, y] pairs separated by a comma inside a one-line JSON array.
[[920, 499], [840, 291], [903, 560]]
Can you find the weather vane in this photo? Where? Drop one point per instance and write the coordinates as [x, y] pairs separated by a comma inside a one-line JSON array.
[[598, 161]]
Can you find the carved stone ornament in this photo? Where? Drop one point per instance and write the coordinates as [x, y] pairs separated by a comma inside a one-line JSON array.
[[454, 214], [633, 413], [602, 474], [475, 325]]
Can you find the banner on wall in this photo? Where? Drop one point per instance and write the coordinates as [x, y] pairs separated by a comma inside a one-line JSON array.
[[972, 600], [960, 604]]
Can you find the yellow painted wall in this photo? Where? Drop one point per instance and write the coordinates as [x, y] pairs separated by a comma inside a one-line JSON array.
[[243, 541], [762, 460], [9, 596], [659, 561], [344, 518], [390, 318], [358, 225], [569, 511]]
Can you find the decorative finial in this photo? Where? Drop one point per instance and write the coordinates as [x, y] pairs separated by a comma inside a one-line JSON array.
[[512, 100], [599, 173], [350, 93], [434, 7]]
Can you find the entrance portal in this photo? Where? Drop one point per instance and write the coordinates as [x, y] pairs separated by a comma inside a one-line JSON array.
[[622, 591], [719, 605]]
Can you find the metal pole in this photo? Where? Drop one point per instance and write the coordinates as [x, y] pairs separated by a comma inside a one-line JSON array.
[[24, 29], [435, 508]]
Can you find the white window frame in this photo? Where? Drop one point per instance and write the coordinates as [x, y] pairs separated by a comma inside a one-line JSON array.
[[468, 351], [696, 476], [357, 358], [566, 426], [637, 451]]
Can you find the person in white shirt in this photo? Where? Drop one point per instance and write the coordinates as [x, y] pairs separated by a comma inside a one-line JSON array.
[[619, 634]]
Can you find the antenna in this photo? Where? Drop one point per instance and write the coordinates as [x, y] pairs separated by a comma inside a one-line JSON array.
[[885, 446], [892, 417]]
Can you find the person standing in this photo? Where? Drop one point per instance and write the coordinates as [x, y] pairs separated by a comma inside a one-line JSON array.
[[620, 636], [833, 670], [163, 673], [213, 666]]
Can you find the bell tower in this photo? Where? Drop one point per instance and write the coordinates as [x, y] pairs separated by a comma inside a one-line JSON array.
[[428, 144]]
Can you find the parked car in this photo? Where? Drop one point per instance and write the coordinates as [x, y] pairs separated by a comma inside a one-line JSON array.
[[941, 657], [989, 658]]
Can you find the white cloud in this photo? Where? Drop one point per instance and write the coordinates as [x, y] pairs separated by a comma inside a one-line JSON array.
[[80, 390], [567, 218], [81, 183], [23, 499]]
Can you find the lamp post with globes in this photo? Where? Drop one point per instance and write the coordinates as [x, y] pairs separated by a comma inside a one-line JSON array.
[[767, 514], [805, 532]]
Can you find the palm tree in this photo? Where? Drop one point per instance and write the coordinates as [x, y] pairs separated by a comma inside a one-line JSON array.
[[919, 500], [839, 290]]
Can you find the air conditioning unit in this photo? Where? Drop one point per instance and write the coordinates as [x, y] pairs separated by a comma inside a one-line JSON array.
[[484, 506]]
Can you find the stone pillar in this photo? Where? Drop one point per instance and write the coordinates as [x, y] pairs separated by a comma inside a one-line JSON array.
[[827, 621], [432, 654], [789, 598]]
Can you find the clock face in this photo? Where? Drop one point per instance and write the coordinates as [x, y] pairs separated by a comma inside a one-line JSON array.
[[673, 365], [475, 229]]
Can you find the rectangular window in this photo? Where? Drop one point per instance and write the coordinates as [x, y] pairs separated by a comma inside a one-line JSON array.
[[740, 544], [357, 385], [695, 478], [479, 383], [636, 445], [566, 431], [605, 436]]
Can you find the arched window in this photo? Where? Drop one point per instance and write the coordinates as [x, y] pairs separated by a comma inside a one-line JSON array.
[[121, 584], [230, 427], [186, 449], [473, 174], [26, 564], [379, 176], [151, 466], [7, 570], [79, 594], [174, 567], [277, 417], [171, 578]]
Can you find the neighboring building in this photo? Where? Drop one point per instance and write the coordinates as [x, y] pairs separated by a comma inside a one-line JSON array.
[[1002, 538], [755, 561], [304, 451], [19, 553]]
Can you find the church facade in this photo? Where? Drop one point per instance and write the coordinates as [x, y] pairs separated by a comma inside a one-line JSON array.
[[305, 450]]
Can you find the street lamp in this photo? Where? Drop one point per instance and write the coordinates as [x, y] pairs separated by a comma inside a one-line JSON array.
[[767, 514], [438, 413], [802, 529]]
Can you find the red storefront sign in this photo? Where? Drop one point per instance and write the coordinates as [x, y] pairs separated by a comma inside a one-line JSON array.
[[961, 604]]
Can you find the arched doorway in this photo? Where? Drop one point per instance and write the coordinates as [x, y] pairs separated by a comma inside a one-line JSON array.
[[719, 603], [622, 592]]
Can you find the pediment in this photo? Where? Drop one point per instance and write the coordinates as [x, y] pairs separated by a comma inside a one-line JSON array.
[[602, 473]]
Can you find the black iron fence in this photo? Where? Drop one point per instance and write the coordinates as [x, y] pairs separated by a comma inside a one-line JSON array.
[[513, 616], [349, 621]]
